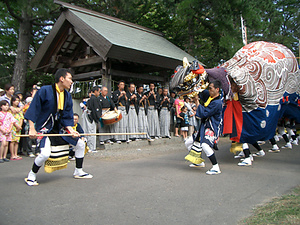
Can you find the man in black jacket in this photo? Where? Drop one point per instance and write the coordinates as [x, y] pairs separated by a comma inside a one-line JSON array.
[[120, 99], [94, 114], [152, 116], [164, 117], [132, 105]]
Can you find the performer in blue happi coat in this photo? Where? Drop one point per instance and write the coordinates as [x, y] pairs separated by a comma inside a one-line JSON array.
[[51, 111], [208, 134]]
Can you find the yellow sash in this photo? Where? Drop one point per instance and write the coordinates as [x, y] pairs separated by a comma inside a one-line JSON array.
[[60, 98], [235, 97], [75, 127], [208, 101]]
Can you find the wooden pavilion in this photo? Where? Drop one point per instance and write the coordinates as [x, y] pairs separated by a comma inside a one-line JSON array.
[[95, 45]]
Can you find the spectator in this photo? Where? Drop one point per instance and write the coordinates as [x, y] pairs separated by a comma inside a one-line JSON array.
[[152, 113], [132, 111], [179, 103], [142, 113], [22, 104], [172, 111], [120, 99], [28, 144], [106, 105], [191, 114], [9, 92], [20, 95], [85, 100], [77, 127], [159, 92], [192, 119], [6, 123], [16, 130], [91, 117], [164, 117], [184, 122]]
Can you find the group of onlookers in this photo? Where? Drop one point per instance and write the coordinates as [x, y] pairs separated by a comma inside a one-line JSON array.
[[155, 112], [13, 105]]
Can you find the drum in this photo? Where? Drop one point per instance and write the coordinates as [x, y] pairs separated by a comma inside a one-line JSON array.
[[111, 117]]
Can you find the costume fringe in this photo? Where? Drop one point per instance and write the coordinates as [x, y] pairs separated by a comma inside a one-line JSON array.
[[194, 157], [53, 164], [86, 148], [236, 147]]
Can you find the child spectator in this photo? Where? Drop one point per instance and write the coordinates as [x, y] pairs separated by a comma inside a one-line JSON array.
[[16, 130], [12, 110], [184, 122], [6, 123], [179, 103], [77, 127], [20, 95]]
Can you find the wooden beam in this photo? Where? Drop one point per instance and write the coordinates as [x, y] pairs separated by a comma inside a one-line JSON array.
[[106, 77], [86, 62], [47, 47], [88, 75], [90, 36], [135, 75]]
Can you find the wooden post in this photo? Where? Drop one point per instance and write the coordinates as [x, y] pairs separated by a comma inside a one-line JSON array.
[[106, 76]]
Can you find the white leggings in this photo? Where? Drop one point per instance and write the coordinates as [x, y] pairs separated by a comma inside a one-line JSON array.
[[46, 151], [207, 149]]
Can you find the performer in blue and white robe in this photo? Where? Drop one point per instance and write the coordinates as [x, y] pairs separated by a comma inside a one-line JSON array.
[[51, 112], [208, 134]]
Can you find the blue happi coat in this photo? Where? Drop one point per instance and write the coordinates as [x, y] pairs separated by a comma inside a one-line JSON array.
[[211, 117], [43, 112]]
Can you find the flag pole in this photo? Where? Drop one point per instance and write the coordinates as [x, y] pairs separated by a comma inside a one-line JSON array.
[[244, 31]]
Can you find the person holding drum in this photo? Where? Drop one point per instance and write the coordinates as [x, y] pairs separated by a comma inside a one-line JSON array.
[[119, 98], [153, 122], [132, 106], [106, 105]]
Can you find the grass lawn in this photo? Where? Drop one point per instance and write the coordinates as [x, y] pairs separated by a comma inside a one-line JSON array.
[[282, 210]]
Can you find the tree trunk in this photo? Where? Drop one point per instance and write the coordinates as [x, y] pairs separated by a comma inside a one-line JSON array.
[[21, 63]]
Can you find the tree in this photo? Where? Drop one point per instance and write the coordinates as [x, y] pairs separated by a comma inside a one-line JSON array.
[[33, 14], [280, 22]]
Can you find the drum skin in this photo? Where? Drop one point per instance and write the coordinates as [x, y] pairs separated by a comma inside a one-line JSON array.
[[112, 117]]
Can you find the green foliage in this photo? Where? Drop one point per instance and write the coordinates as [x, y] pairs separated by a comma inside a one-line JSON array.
[[209, 30], [280, 22], [42, 15]]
